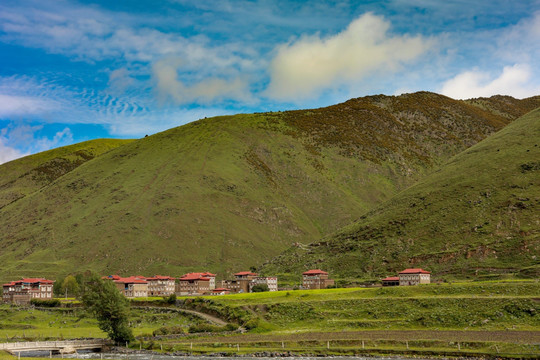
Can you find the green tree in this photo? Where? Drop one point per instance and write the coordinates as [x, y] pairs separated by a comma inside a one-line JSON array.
[[57, 287], [109, 306], [260, 288], [70, 285]]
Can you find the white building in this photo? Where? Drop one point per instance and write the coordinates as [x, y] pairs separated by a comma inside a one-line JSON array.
[[414, 277]]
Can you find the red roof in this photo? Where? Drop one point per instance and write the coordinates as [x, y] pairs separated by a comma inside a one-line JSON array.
[[160, 277], [243, 273], [30, 281], [131, 280], [36, 280], [111, 277], [315, 272], [414, 271], [194, 276], [203, 274], [391, 278]]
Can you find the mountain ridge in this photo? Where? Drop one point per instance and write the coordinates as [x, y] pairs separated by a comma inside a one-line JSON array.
[[229, 192], [477, 216]]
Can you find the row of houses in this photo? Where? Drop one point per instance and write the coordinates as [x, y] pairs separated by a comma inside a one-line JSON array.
[[202, 283]]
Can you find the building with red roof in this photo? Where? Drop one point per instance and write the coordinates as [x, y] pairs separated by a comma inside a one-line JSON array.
[[390, 281], [159, 285], [130, 287], [244, 281], [316, 279], [22, 291], [196, 283], [221, 291], [414, 277]]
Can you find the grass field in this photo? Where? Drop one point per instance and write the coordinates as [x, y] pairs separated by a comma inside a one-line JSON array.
[[460, 319]]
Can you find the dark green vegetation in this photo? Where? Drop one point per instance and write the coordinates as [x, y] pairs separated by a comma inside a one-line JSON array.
[[226, 193], [111, 309], [31, 173], [478, 216]]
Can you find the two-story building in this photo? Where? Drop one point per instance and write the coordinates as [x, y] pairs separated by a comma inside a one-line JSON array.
[[241, 282], [244, 282], [195, 284], [160, 285], [414, 277], [270, 281], [130, 287], [22, 291], [316, 279]]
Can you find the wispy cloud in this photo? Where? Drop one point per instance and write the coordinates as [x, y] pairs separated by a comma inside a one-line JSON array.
[[305, 67], [169, 87]]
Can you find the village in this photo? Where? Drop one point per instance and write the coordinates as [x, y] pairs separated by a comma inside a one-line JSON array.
[[21, 292]]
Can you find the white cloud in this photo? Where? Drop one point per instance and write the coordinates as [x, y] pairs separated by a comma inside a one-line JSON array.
[[20, 140], [14, 105], [205, 91], [312, 64], [519, 43], [8, 153], [514, 80]]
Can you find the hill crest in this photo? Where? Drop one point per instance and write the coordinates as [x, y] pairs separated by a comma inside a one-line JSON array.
[[226, 193]]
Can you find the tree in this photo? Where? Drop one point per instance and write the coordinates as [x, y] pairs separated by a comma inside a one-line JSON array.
[[57, 287], [70, 285], [109, 306], [260, 288]]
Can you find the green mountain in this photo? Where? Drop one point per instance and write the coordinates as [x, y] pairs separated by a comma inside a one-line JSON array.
[[476, 216], [227, 193], [31, 173]]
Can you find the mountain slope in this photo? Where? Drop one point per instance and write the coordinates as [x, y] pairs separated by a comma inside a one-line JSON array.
[[26, 175], [225, 193], [477, 215]]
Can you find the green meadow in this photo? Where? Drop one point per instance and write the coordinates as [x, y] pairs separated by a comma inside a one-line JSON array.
[[462, 318]]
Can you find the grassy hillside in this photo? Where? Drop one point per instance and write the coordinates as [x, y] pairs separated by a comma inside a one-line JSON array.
[[476, 216], [26, 175], [226, 193]]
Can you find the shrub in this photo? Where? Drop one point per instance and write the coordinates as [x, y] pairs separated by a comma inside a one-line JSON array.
[[171, 299], [251, 324], [260, 288], [211, 328], [45, 303], [168, 330]]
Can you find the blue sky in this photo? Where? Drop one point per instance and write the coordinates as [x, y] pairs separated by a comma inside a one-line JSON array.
[[77, 70]]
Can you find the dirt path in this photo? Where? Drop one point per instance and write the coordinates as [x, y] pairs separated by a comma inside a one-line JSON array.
[[515, 337], [212, 319]]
